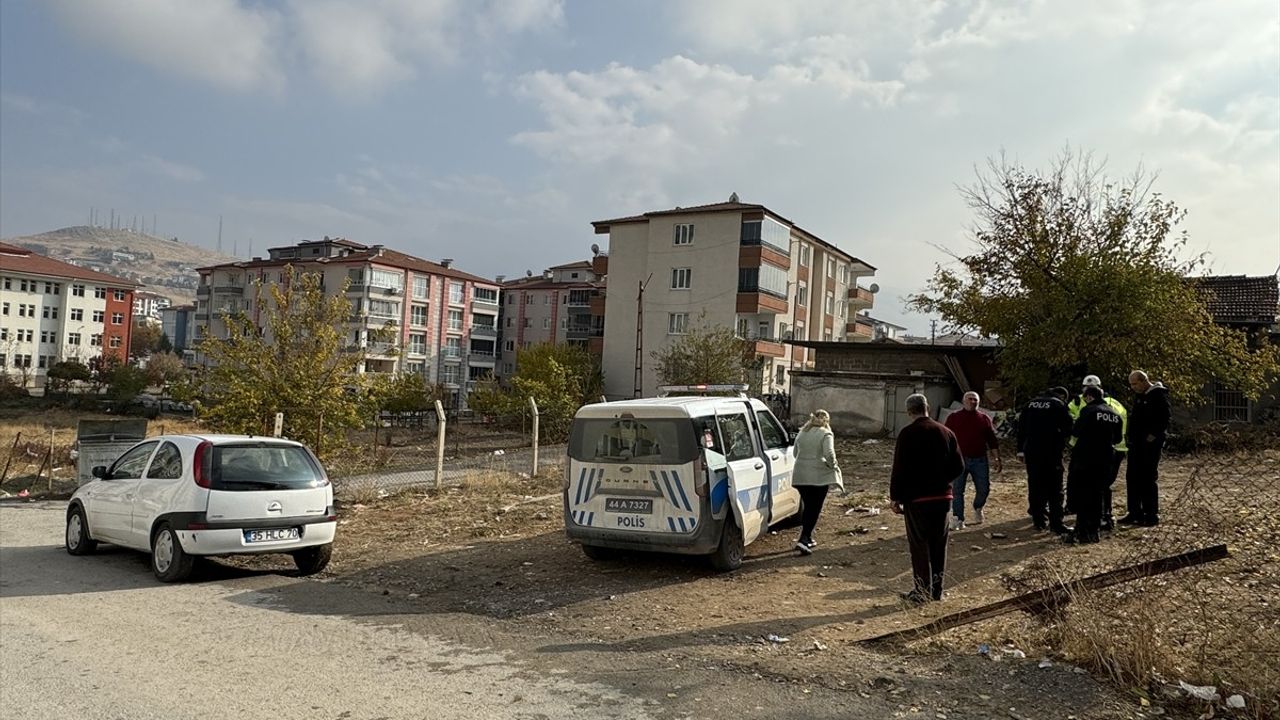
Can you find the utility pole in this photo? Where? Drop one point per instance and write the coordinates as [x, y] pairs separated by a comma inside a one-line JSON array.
[[219, 234], [639, 335], [933, 332]]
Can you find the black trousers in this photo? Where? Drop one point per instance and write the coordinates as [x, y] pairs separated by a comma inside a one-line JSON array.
[[927, 540], [813, 497], [1106, 490], [1044, 489], [1142, 479], [1090, 472]]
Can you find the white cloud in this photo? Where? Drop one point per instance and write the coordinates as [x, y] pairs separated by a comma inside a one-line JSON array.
[[222, 42], [169, 169]]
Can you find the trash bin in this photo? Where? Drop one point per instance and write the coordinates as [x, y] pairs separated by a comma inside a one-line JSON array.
[[100, 442]]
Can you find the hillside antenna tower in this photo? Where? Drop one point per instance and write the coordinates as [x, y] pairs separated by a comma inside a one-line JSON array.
[[635, 387], [219, 234]]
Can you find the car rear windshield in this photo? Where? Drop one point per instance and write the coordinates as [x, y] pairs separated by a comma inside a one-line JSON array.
[[263, 466], [642, 441]]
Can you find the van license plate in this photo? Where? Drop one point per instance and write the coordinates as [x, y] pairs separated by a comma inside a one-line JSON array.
[[642, 506], [272, 535]]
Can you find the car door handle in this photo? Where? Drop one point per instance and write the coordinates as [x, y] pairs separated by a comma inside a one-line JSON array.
[[774, 456], [759, 465]]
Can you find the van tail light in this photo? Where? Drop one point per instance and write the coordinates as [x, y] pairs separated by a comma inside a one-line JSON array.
[[700, 484], [568, 472], [200, 464]]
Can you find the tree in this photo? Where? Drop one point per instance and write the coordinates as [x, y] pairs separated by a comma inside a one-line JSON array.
[[706, 354], [1076, 273], [145, 339], [301, 363], [61, 375], [164, 368], [165, 345], [124, 382], [560, 378]]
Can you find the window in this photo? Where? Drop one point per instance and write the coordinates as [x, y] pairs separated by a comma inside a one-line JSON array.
[[511, 298], [98, 315], [449, 374], [418, 315], [829, 303], [677, 323], [510, 320], [387, 279], [455, 320], [167, 463], [73, 338], [50, 312], [26, 335], [22, 361], [52, 288], [546, 299], [77, 314], [804, 255], [456, 296], [826, 335], [48, 336], [355, 277], [772, 433], [4, 358], [8, 283], [683, 234], [528, 323], [77, 290], [781, 378], [528, 299], [546, 323], [4, 333], [22, 310], [115, 341], [767, 232], [802, 295], [384, 310], [96, 340], [118, 295], [844, 273], [417, 343], [767, 278], [28, 285], [681, 278], [736, 434], [43, 362], [831, 267], [131, 464], [100, 292], [117, 318], [511, 346], [421, 287], [1229, 404], [453, 347], [5, 309], [416, 368], [765, 330], [485, 295]]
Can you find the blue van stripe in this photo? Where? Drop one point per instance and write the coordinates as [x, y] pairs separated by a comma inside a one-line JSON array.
[[671, 493], [591, 518], [682, 526], [671, 523], [692, 522], [577, 498], [599, 483], [586, 493], [653, 478], [680, 487]]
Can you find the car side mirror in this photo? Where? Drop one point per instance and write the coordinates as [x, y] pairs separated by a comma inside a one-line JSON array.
[[100, 472]]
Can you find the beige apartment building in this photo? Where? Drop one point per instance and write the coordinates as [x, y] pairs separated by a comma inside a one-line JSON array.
[[51, 311], [732, 264], [443, 322], [563, 305]]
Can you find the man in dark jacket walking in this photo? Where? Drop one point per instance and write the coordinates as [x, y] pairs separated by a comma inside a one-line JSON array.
[[1097, 430], [1043, 430], [1148, 424], [925, 460]]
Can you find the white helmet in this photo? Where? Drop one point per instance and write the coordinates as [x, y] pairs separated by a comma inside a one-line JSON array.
[[1092, 380]]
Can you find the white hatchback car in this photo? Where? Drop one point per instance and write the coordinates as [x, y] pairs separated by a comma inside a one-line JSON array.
[[179, 496]]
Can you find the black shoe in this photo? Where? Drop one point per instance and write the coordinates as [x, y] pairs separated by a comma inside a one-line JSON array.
[[806, 547], [1148, 522], [1107, 525], [1090, 540], [1130, 520], [915, 597], [1040, 527], [1070, 539], [1061, 529]]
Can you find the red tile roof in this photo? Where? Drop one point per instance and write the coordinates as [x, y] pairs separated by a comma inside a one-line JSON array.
[[572, 265], [1239, 299], [19, 259], [364, 254]]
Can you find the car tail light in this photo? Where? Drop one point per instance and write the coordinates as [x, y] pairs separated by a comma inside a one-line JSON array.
[[200, 464], [568, 473], [700, 484]]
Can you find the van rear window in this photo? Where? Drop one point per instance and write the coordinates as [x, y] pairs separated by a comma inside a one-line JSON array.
[[642, 441], [263, 466]]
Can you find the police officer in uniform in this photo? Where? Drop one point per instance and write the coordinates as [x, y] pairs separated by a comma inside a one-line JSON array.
[[1043, 430], [1121, 449], [1096, 431]]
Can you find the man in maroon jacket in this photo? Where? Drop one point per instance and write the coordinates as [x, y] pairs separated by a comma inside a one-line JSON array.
[[925, 461], [976, 435]]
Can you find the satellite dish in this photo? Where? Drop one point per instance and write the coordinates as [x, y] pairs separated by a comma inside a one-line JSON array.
[[595, 249], [733, 197], [528, 273], [875, 288]]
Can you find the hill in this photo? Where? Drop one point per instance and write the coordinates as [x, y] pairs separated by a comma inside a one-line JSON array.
[[164, 266]]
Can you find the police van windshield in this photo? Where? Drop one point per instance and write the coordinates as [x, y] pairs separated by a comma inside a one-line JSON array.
[[642, 441]]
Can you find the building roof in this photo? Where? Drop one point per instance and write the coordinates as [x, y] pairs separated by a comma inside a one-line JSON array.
[[20, 259], [1240, 299], [572, 266], [891, 346], [361, 254], [881, 322], [602, 226], [538, 282]]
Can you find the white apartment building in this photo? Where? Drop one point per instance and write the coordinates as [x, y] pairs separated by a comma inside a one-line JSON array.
[[730, 264], [444, 321], [565, 304], [148, 305], [52, 311]]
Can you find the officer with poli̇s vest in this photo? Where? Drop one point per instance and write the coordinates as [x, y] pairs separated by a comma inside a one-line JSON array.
[[1121, 450], [1043, 430], [1096, 432]]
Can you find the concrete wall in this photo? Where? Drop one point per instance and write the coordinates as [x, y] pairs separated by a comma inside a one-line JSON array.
[[864, 404]]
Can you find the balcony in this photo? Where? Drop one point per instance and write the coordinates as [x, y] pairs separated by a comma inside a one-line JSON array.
[[485, 300], [228, 289], [577, 332], [769, 348], [202, 315], [488, 331], [486, 359], [451, 354], [755, 303], [380, 349], [860, 298], [417, 349], [203, 290]]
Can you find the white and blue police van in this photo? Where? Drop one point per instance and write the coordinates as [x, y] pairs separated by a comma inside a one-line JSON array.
[[691, 474]]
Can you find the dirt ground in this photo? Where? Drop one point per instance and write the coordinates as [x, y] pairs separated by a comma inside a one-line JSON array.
[[495, 548]]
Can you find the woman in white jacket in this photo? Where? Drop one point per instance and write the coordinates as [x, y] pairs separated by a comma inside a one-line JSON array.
[[816, 470]]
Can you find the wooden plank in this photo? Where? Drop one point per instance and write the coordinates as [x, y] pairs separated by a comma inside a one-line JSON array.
[[1045, 598]]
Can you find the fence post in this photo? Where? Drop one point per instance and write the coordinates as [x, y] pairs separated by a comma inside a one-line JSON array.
[[51, 431], [439, 445], [533, 406], [278, 429], [12, 450]]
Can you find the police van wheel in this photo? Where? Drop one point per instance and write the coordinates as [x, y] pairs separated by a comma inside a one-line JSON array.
[[595, 552], [729, 554]]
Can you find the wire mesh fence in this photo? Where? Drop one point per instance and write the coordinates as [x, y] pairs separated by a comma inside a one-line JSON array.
[[1215, 624]]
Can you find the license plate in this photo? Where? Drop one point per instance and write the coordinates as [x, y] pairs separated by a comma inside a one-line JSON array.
[[642, 506], [272, 535]]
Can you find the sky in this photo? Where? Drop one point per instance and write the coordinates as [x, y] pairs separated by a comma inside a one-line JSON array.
[[494, 131]]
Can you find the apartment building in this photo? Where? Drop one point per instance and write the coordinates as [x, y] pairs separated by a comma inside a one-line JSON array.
[[177, 323], [732, 264], [148, 305], [52, 311], [565, 304], [443, 322]]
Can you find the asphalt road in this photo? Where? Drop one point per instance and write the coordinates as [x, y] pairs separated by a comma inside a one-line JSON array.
[[98, 637]]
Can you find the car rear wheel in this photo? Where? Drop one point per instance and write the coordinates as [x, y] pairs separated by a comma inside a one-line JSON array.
[[729, 554], [169, 561], [77, 538], [595, 552], [313, 559]]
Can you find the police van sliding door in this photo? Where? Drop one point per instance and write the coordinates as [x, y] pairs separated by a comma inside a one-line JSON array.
[[748, 480]]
